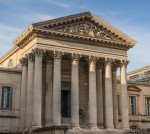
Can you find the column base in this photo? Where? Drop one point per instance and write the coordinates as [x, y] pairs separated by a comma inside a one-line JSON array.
[[93, 128], [48, 124], [75, 129]]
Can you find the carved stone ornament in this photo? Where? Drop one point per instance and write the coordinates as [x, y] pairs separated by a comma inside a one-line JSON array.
[[38, 52], [92, 59], [124, 63], [48, 57], [108, 61], [75, 57], [84, 28], [30, 57], [100, 64], [24, 61], [134, 88], [58, 55], [115, 65]]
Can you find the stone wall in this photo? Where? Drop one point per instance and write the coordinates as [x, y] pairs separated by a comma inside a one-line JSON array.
[[9, 119]]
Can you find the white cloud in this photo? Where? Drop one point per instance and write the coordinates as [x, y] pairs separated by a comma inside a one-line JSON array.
[[37, 17], [62, 5], [7, 34]]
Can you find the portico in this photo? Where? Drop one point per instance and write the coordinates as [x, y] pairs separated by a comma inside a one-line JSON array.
[[52, 99], [69, 67]]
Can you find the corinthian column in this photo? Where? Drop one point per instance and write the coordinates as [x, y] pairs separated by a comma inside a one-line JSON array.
[[57, 89], [37, 97], [75, 91], [99, 86], [108, 94], [30, 86], [124, 96], [24, 63], [114, 87], [92, 93], [49, 91]]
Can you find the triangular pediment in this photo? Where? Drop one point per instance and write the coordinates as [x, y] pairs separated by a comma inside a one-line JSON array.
[[133, 88], [84, 28], [84, 24]]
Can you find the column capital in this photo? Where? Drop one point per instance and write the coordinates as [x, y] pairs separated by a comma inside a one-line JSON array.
[[100, 64], [124, 63], [24, 61], [48, 58], [38, 52], [108, 61], [75, 57], [115, 65], [92, 59], [30, 57], [58, 55]]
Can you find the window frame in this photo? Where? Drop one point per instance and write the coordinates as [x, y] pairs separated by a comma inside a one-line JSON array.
[[134, 112], [12, 97], [147, 97]]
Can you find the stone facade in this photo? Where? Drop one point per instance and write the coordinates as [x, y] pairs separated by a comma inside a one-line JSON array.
[[65, 72]]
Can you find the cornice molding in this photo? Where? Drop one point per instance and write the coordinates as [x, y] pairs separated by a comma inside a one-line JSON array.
[[9, 53], [73, 38]]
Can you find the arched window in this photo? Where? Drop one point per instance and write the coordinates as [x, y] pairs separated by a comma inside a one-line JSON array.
[[10, 63]]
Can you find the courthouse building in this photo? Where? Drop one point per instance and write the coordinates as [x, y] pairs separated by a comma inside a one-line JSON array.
[[60, 76]]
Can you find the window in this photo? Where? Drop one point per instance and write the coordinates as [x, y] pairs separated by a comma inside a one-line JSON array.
[[147, 105], [6, 97], [65, 99], [132, 105]]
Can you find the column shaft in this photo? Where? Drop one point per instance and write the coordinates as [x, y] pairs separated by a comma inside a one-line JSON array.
[[37, 102], [49, 94], [23, 93], [75, 93], [99, 96], [30, 86], [92, 95], [108, 96], [115, 103], [124, 97], [57, 90]]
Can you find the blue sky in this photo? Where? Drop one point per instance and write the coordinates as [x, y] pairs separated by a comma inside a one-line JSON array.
[[130, 16]]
